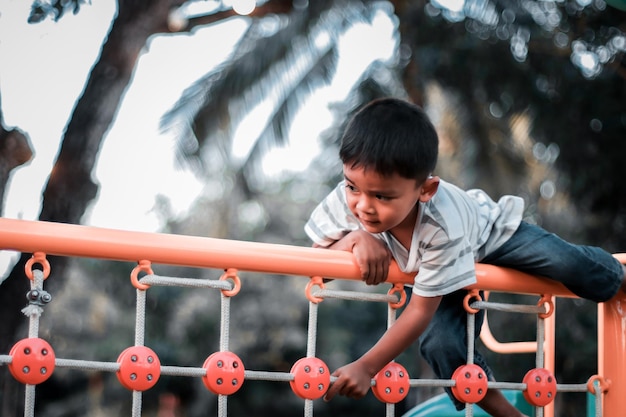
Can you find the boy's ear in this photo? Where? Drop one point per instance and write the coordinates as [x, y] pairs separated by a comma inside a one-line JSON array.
[[429, 188]]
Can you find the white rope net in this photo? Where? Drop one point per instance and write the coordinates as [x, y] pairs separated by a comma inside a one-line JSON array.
[[138, 367]]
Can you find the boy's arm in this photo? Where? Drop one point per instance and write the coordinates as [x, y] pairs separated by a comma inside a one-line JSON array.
[[354, 380], [372, 255]]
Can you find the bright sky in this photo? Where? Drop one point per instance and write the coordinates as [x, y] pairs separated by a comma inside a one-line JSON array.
[[44, 68]]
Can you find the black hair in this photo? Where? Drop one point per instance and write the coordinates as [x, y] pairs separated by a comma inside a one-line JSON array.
[[391, 136]]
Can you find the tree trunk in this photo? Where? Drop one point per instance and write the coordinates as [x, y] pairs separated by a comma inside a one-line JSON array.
[[15, 151], [70, 188]]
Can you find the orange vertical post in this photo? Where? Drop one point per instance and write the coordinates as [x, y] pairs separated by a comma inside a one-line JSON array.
[[612, 351], [612, 354], [549, 351]]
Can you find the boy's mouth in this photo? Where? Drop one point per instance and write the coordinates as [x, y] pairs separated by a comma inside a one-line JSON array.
[[371, 223]]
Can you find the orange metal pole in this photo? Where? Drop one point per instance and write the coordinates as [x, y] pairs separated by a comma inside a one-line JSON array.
[[91, 242], [496, 346], [612, 354], [612, 351], [203, 252], [495, 278], [549, 352]]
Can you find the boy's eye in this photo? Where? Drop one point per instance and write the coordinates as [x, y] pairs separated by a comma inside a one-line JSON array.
[[381, 197], [351, 187]]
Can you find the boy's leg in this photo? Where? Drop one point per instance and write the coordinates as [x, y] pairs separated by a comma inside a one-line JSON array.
[[587, 271], [444, 342], [444, 346]]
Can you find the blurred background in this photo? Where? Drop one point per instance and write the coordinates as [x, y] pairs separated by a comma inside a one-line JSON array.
[[222, 119]]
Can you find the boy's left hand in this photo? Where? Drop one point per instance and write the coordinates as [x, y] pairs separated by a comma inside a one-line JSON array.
[[352, 381], [371, 254]]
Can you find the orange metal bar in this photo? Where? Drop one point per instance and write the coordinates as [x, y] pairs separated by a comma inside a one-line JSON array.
[[496, 346], [612, 351], [495, 278], [92, 242], [549, 352]]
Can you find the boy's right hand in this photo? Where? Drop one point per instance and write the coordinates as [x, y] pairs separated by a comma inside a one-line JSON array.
[[352, 381], [372, 255]]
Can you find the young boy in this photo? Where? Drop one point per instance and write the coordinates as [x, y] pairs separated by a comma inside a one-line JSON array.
[[390, 205]]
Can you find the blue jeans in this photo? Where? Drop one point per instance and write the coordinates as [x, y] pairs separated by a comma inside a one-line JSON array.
[[588, 272]]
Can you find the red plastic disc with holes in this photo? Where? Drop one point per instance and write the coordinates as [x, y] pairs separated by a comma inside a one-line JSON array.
[[140, 368], [540, 387], [32, 361], [471, 383], [224, 373], [392, 383], [311, 378]]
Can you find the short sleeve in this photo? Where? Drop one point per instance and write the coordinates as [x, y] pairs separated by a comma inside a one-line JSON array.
[[331, 219], [446, 265]]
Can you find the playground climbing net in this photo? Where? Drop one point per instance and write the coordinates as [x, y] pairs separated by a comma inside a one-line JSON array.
[[32, 360]]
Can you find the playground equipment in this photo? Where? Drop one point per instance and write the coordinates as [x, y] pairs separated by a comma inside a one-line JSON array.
[[32, 360]]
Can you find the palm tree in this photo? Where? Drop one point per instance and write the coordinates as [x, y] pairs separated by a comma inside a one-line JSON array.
[[279, 62], [509, 67]]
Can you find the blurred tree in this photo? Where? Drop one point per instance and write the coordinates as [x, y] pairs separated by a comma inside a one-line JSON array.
[[15, 151], [70, 188], [554, 71], [561, 65], [517, 74], [528, 98], [509, 75]]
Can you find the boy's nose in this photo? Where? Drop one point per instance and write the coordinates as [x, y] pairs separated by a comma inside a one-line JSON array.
[[364, 205]]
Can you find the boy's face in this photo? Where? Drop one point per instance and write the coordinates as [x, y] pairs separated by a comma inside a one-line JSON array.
[[383, 203]]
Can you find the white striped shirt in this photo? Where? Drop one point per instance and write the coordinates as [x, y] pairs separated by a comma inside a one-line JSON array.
[[454, 229]]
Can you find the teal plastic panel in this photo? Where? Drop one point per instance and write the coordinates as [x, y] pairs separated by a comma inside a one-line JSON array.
[[441, 406]]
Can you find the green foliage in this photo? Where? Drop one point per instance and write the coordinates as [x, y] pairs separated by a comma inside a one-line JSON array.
[[54, 9], [562, 64], [618, 4], [262, 65]]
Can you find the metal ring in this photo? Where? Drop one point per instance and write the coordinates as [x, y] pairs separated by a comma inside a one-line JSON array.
[[37, 258], [143, 266], [231, 274], [466, 301], [319, 281], [398, 287]]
